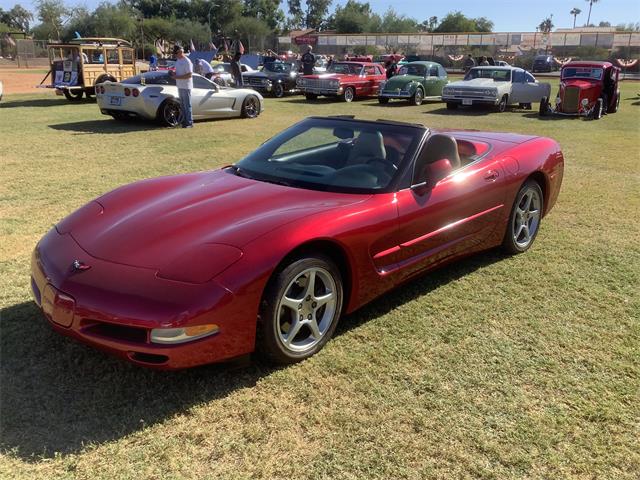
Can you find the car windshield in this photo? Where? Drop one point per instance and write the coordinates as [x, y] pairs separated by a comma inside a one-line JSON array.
[[419, 70], [333, 154], [151, 78], [222, 67], [346, 68], [497, 74], [278, 67], [582, 72]]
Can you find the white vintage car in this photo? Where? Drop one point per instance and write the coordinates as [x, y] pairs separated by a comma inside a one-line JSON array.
[[496, 86], [154, 96]]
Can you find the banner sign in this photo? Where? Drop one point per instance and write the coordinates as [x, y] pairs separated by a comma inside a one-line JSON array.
[[68, 76], [305, 40]]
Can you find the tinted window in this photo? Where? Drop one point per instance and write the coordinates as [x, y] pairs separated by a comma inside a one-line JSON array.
[[152, 78], [333, 155], [419, 70], [278, 67], [112, 56], [433, 72], [370, 70], [201, 82], [582, 72], [529, 78], [518, 76], [347, 68]]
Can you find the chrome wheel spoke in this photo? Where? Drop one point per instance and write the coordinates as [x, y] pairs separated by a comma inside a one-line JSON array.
[[311, 284], [324, 299], [293, 331], [315, 330], [291, 303]]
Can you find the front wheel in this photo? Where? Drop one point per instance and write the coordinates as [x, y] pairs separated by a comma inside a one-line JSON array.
[[524, 220], [73, 95], [417, 97], [544, 107], [349, 94], [383, 100], [502, 105], [170, 113], [300, 310], [250, 107]]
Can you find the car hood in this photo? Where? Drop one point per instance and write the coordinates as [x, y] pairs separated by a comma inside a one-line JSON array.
[[149, 222], [579, 83], [476, 82], [264, 74], [324, 76], [399, 81]]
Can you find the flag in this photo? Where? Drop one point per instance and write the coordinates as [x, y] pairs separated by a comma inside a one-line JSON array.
[[192, 47], [212, 46], [226, 45], [240, 47]]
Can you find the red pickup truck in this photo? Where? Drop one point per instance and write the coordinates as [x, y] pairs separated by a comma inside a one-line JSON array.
[[344, 80]]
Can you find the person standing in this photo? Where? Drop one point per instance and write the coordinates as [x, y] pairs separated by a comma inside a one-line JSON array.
[[204, 68], [184, 82], [236, 70], [308, 61], [484, 62], [469, 63]]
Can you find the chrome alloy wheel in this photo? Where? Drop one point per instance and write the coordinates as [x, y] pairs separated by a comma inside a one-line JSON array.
[[306, 310], [251, 107], [526, 220]]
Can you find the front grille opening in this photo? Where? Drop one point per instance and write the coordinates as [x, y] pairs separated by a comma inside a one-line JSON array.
[[149, 358], [117, 332]]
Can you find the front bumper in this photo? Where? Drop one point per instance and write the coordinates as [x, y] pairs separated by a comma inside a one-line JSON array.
[[396, 94], [114, 307], [329, 92], [470, 100]]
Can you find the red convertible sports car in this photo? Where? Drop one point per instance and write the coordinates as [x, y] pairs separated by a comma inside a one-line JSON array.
[[268, 253]]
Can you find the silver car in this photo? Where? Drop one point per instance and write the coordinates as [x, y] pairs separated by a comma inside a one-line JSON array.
[[154, 96]]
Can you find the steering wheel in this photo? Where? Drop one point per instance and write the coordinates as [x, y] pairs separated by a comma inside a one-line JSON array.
[[388, 167]]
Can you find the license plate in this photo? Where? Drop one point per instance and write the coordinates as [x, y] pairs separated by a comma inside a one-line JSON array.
[[115, 100], [467, 101]]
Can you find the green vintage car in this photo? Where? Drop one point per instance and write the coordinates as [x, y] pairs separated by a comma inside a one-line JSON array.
[[415, 81]]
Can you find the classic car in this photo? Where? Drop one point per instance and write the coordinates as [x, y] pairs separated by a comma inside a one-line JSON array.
[[414, 82], [222, 73], [276, 78], [496, 86], [345, 80], [268, 253], [586, 89], [544, 63], [154, 96], [77, 66]]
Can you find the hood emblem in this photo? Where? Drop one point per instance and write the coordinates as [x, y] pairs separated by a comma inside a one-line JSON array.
[[80, 266]]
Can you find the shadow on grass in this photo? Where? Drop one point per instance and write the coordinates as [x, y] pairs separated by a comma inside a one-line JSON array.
[[58, 395], [106, 126], [45, 102]]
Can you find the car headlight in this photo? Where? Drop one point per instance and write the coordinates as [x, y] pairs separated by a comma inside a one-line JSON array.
[[584, 102], [446, 91], [182, 335], [334, 83], [200, 264]]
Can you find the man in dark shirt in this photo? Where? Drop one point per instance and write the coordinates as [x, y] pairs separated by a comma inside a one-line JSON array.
[[308, 62], [236, 71]]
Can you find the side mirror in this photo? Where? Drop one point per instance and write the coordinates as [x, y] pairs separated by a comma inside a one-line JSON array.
[[431, 175]]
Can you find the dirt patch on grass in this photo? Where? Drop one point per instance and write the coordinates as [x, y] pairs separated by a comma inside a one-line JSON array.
[[21, 81]]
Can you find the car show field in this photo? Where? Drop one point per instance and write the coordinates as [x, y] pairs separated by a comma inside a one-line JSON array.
[[496, 366]]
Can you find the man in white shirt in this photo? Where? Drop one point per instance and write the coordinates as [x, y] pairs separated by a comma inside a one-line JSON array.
[[204, 68], [184, 82]]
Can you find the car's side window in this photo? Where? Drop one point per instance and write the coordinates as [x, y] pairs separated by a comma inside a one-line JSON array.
[[529, 78], [518, 76], [200, 82], [433, 72], [370, 70]]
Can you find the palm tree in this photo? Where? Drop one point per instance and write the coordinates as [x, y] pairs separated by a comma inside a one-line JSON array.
[[575, 12], [591, 2]]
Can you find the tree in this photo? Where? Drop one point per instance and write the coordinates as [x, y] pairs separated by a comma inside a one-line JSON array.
[[429, 25], [266, 10], [458, 22], [17, 18], [53, 14], [591, 2], [575, 12], [311, 15], [604, 24], [353, 17], [392, 22], [546, 25]]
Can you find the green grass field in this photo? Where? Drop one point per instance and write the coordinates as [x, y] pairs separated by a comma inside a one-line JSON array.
[[495, 367]]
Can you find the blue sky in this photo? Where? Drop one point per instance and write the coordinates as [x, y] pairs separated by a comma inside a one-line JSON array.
[[507, 15]]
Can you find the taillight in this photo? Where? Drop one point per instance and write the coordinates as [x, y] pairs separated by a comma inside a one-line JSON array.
[[135, 92], [127, 92]]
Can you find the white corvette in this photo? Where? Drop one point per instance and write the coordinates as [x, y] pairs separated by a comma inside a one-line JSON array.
[[497, 86], [154, 96]]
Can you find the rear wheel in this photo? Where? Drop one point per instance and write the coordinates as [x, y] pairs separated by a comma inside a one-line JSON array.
[[544, 107], [525, 217], [452, 106], [300, 310], [278, 90], [170, 113], [349, 94], [73, 95], [417, 97], [250, 107], [311, 96]]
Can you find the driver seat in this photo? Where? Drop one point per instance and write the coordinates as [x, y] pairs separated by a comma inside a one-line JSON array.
[[441, 146], [368, 145]]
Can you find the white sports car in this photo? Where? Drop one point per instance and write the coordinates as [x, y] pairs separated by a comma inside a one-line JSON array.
[[496, 86], [154, 96]]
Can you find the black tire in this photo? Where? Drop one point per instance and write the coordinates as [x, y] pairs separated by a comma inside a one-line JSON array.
[[525, 106], [544, 107], [277, 317], [417, 98], [250, 107], [278, 90], [452, 106], [73, 95], [383, 100], [502, 105], [349, 94], [311, 96], [596, 114], [616, 106], [517, 239], [170, 113]]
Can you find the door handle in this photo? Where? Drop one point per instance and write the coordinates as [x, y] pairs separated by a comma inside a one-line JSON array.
[[491, 175]]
